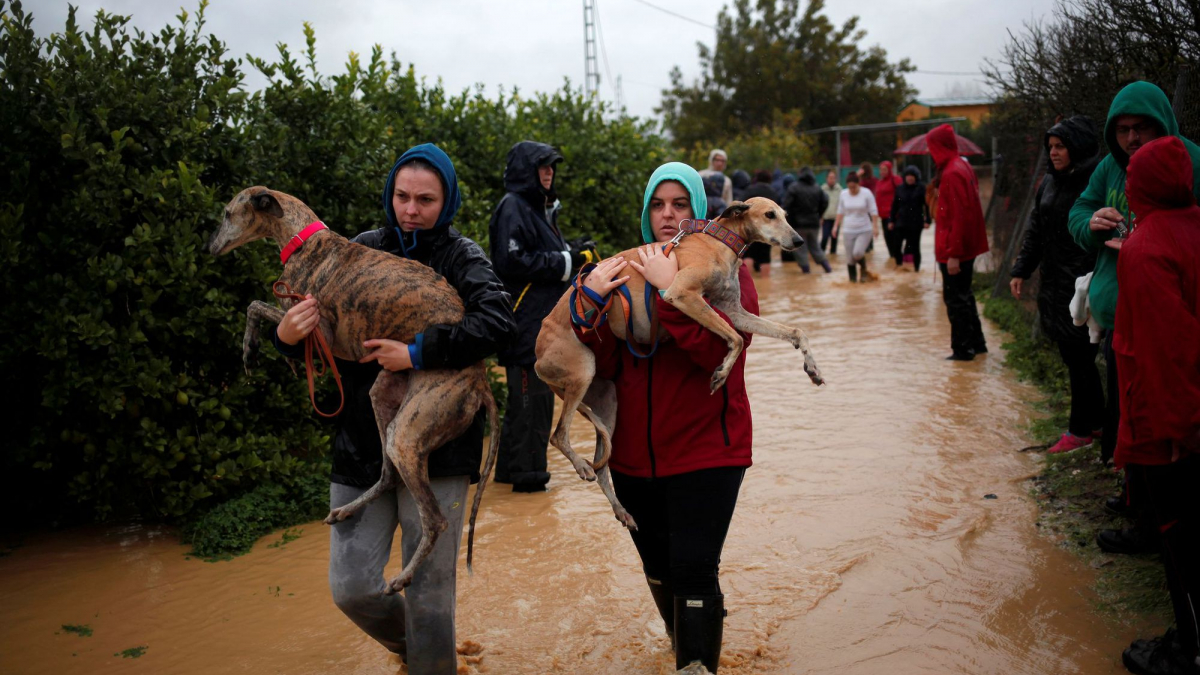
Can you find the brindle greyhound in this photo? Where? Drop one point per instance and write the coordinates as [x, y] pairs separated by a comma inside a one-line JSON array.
[[362, 294], [708, 268]]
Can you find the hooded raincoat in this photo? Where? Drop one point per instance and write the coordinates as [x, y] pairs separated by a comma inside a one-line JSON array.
[[487, 325], [805, 202], [1048, 243], [741, 180], [961, 232], [1107, 188], [664, 427], [885, 189], [909, 208], [1157, 335], [528, 250], [727, 189]]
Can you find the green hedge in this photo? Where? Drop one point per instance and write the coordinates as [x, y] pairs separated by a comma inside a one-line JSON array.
[[120, 336]]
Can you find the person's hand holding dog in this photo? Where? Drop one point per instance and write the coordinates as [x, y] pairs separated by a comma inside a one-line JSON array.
[[658, 269], [603, 279], [391, 354], [299, 321]]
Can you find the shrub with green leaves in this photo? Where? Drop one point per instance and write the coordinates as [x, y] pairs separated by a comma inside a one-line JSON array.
[[120, 336]]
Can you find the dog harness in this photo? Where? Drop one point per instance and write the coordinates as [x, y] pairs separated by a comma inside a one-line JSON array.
[[589, 311], [314, 341], [298, 240]]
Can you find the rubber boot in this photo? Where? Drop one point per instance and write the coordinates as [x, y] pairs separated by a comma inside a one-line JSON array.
[[853, 272], [664, 598], [863, 275], [699, 622]]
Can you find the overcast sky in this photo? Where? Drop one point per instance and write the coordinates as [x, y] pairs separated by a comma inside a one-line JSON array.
[[534, 44]]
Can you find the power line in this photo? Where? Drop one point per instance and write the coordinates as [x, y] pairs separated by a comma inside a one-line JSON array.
[[604, 49], [676, 14]]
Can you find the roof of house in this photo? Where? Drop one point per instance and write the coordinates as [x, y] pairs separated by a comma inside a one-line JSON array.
[[950, 102]]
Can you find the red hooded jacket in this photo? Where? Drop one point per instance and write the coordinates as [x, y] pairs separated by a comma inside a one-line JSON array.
[[885, 189], [667, 422], [1157, 332], [961, 232]]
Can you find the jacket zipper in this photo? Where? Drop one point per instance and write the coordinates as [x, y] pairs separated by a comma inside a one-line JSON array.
[[725, 409], [650, 414]]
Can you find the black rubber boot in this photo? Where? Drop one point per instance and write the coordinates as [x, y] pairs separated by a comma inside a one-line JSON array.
[[862, 274], [664, 598], [699, 622], [853, 270]]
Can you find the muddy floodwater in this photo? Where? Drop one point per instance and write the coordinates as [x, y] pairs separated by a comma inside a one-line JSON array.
[[863, 541]]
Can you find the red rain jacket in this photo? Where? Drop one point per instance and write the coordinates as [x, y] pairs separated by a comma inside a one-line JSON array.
[[667, 422], [961, 232], [1157, 331], [885, 190]]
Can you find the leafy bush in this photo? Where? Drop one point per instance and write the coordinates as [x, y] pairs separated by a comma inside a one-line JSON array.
[[233, 526], [122, 335]]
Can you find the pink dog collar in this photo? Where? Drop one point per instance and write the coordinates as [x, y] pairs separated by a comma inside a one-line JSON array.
[[298, 240]]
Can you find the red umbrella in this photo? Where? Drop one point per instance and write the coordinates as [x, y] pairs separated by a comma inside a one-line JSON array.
[[917, 146]]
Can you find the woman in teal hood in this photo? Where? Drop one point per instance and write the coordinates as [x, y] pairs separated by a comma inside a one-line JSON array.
[[677, 472]]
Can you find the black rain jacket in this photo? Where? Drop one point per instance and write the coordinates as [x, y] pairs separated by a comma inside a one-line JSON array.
[[741, 181], [1048, 243], [487, 324], [527, 247], [910, 211], [805, 202]]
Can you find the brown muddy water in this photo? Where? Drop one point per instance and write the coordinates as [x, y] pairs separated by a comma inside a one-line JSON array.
[[862, 543]]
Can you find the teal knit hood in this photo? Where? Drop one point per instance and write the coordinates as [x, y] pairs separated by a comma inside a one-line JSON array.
[[685, 176]]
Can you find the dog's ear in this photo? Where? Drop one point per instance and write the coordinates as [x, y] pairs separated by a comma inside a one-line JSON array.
[[734, 210], [265, 202]]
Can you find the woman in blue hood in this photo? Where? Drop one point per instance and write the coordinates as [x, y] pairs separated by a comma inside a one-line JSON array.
[[420, 199]]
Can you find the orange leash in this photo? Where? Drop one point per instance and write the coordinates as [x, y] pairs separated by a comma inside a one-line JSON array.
[[315, 340]]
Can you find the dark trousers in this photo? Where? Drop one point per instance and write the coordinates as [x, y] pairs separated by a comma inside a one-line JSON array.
[[827, 238], [759, 254], [526, 431], [966, 333], [893, 238], [1087, 395], [682, 522], [1170, 494], [910, 245], [1112, 409]]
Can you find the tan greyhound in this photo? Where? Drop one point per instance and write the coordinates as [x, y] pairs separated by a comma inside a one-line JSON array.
[[708, 270], [364, 294]]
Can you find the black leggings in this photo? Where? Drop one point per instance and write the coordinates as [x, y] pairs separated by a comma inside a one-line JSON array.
[[910, 241], [1087, 395], [682, 522], [1170, 494]]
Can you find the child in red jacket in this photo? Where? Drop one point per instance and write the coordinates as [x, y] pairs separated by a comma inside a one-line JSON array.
[[679, 453], [1157, 344]]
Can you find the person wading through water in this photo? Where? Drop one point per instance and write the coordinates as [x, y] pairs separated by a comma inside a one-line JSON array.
[[420, 198], [677, 458], [858, 224]]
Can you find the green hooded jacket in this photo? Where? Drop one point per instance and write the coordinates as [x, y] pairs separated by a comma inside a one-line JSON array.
[[1107, 188], [686, 176]]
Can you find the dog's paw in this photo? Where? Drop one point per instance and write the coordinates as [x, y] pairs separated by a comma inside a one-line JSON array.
[[398, 584], [627, 520], [338, 515], [718, 379], [585, 471]]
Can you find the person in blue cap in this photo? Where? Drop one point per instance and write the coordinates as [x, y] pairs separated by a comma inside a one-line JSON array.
[[420, 199]]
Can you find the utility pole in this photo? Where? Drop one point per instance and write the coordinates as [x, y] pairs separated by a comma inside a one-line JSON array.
[[620, 97], [591, 70]]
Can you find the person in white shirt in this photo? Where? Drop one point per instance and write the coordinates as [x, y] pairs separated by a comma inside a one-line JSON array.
[[858, 222]]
